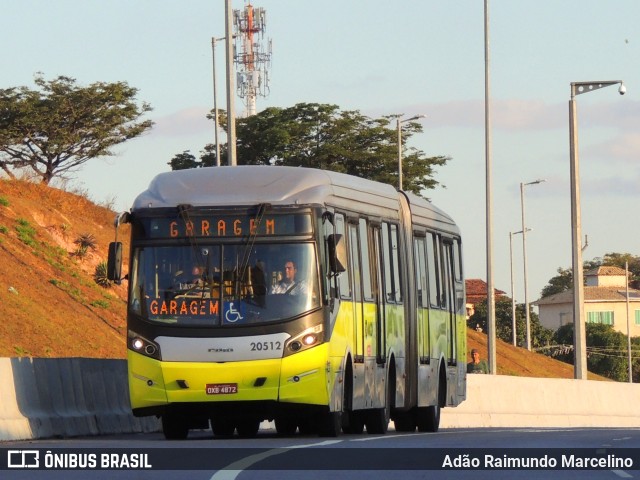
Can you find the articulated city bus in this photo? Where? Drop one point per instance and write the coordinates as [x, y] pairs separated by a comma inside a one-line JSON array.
[[318, 300]]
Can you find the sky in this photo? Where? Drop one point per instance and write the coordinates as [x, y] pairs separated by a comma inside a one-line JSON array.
[[382, 58]]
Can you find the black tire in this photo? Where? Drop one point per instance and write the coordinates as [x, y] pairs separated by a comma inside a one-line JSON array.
[[353, 422], [330, 424], [405, 422], [429, 418], [248, 427], [222, 427], [174, 427], [377, 419], [307, 426], [286, 426]]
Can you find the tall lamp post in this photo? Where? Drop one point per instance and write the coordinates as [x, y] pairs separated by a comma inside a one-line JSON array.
[[231, 86], [399, 128], [491, 298], [513, 298], [524, 260], [215, 99], [579, 334]]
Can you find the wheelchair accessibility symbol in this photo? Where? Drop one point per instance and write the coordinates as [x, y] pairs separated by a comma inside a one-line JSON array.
[[232, 315]]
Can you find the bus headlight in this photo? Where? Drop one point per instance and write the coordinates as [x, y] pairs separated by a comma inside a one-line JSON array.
[[143, 346], [309, 338]]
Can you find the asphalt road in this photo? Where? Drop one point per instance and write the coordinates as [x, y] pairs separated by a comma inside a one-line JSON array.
[[448, 454]]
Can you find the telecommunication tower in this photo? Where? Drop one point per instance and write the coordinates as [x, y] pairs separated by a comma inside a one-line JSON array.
[[252, 56]]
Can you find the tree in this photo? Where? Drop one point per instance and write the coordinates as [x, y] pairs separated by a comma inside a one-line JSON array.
[[59, 126], [186, 160], [321, 136], [560, 283], [540, 336], [607, 353]]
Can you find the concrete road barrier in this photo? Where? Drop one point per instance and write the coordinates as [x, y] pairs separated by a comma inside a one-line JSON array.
[[66, 397], [506, 401]]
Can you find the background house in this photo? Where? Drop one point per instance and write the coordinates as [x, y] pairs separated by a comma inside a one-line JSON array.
[[605, 302], [476, 291]]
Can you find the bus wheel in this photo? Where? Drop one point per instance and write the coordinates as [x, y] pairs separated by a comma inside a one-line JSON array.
[[378, 421], [222, 427], [286, 426], [353, 422], [248, 427], [307, 426], [330, 424], [174, 427], [378, 418], [405, 422], [429, 418]]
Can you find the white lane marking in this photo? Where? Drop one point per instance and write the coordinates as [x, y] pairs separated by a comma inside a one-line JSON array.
[[622, 474], [381, 437], [230, 472]]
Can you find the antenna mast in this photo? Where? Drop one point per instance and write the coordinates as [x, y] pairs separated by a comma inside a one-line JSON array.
[[253, 58]]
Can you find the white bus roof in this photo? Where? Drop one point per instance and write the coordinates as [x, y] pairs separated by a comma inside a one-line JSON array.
[[425, 213], [252, 185]]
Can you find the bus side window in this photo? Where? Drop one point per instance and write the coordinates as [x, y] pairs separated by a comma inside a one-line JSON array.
[[395, 252], [445, 272], [457, 270], [344, 278], [367, 288], [433, 261], [457, 260], [354, 262], [421, 271], [386, 263]]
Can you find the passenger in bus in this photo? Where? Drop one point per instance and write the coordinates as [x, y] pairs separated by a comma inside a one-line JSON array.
[[186, 279], [290, 285], [476, 365]]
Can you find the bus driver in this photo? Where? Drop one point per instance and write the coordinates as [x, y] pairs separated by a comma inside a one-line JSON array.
[[289, 285]]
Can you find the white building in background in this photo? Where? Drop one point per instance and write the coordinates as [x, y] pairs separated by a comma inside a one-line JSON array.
[[605, 301]]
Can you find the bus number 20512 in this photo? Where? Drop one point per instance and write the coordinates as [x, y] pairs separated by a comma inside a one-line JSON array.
[[265, 346]]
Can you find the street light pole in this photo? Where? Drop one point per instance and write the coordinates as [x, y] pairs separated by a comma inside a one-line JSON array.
[[524, 261], [215, 99], [231, 87], [513, 298], [579, 330], [491, 298], [399, 131]]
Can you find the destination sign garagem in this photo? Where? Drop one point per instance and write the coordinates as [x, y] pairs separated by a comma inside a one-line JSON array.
[[211, 226]]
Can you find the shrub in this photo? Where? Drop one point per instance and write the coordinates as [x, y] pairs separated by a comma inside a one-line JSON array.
[[26, 232], [100, 275], [85, 242]]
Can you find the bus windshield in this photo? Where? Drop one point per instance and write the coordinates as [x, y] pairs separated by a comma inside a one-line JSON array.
[[223, 285]]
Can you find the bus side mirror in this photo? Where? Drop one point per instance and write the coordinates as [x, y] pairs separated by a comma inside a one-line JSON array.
[[114, 262], [337, 253]]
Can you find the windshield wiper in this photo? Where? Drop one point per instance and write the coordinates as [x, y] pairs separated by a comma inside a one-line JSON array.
[[251, 240]]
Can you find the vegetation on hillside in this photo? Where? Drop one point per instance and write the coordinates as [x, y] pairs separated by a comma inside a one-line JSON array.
[[540, 336], [51, 244], [607, 351]]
